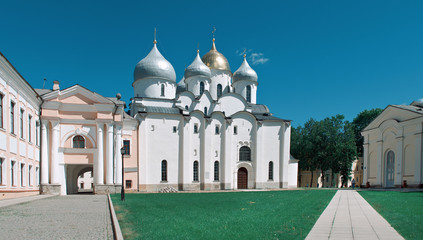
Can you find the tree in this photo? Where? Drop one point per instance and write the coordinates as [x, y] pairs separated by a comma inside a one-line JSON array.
[[328, 144], [362, 120]]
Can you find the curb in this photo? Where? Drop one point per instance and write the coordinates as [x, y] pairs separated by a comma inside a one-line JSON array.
[[116, 228]]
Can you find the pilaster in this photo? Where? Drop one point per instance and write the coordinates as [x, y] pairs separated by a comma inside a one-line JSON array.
[[44, 152], [99, 163], [55, 152], [109, 154]]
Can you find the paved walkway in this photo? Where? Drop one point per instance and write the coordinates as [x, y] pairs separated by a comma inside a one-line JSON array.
[[349, 216], [59, 217]]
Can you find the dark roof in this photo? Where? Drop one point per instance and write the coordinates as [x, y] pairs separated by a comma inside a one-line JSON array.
[[160, 110], [259, 109]]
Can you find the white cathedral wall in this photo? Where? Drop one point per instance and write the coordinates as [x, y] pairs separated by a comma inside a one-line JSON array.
[[152, 88], [230, 104], [193, 84], [271, 152], [220, 77], [241, 88]]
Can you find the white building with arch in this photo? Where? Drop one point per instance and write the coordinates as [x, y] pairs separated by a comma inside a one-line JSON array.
[[393, 147]]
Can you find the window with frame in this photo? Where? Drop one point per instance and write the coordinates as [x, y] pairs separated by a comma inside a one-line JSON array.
[[270, 170], [29, 127], [217, 129], [128, 184], [186, 107], [195, 171], [219, 90], [127, 147], [162, 90], [78, 141], [201, 88], [235, 130], [37, 133], [12, 117], [37, 176], [244, 153], [1, 110], [22, 174], [30, 182], [205, 111], [195, 128], [12, 173], [216, 171], [248, 93], [21, 122], [1, 170], [164, 171], [174, 129]]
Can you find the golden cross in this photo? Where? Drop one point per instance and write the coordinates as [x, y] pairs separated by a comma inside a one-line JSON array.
[[155, 36], [214, 30]]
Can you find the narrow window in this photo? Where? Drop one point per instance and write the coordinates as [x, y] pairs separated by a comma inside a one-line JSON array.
[[78, 142], [217, 129], [195, 128], [128, 184], [164, 170], [1, 171], [235, 130], [12, 173], [30, 175], [219, 90], [186, 107], [205, 110], [195, 171], [244, 154], [22, 174], [21, 122], [37, 176], [270, 170], [162, 93], [127, 147], [29, 127], [174, 129], [249, 93], [1, 110], [12, 117], [201, 87], [37, 133], [216, 171]]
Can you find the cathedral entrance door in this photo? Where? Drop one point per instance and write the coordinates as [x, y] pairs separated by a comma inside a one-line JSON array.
[[390, 169], [242, 178]]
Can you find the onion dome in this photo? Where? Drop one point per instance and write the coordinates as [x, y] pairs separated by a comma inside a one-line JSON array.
[[197, 68], [154, 66], [245, 72], [215, 60]]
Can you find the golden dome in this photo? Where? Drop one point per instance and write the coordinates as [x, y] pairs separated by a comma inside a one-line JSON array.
[[215, 60]]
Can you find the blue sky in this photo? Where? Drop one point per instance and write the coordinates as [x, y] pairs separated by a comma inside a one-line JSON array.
[[314, 58]]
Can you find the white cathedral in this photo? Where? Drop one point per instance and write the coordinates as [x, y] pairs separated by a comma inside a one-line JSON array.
[[204, 133]]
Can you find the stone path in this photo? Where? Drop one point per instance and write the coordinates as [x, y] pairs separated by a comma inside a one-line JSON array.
[[59, 217], [349, 216]]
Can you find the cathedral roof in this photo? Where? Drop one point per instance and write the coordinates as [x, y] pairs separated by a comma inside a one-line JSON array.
[[245, 72], [215, 60], [154, 65], [197, 68]]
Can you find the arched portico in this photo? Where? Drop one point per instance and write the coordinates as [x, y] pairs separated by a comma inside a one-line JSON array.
[[73, 171]]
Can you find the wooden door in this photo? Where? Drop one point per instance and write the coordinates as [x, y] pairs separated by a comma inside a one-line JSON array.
[[242, 178]]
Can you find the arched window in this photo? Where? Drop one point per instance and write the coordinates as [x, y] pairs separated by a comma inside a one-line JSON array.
[[249, 93], [201, 87], [195, 170], [205, 110], [244, 154], [164, 171], [216, 171], [78, 142], [219, 90], [162, 92], [186, 107], [390, 169], [270, 170]]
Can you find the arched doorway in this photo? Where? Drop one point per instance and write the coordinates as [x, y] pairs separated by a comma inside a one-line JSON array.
[[242, 178], [79, 178], [390, 169], [86, 180]]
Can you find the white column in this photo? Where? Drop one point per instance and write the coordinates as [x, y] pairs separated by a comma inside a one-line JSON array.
[[44, 151], [118, 156], [379, 163], [55, 152], [109, 152], [98, 165]]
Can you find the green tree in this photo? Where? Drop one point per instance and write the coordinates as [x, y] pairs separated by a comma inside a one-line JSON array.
[[362, 120]]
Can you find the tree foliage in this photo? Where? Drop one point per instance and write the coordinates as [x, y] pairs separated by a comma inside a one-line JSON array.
[[362, 120], [326, 144]]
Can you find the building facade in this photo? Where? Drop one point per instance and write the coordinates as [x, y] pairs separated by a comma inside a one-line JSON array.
[[393, 147]]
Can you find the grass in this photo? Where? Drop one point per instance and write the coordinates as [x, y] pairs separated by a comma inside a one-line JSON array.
[[403, 210], [221, 215]]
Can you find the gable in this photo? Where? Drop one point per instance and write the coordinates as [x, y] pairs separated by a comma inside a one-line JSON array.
[[392, 112], [77, 99]]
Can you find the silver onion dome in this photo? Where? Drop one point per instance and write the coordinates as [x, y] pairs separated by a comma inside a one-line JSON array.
[[197, 68], [154, 65], [245, 72]]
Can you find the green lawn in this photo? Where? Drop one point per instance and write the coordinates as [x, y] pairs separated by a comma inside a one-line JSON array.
[[222, 215], [403, 210]]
